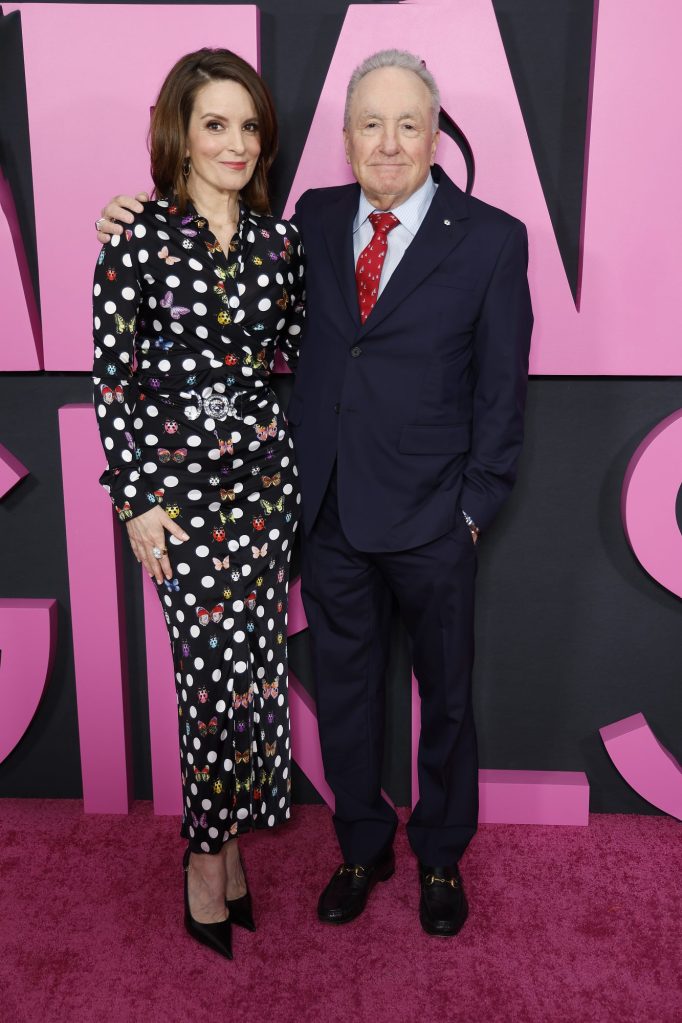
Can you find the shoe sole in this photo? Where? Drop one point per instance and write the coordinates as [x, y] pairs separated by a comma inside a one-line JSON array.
[[385, 876]]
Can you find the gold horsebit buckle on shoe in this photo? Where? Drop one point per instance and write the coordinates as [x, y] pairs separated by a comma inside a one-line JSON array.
[[347, 868], [432, 879]]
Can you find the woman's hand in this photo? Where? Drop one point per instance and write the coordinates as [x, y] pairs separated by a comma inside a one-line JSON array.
[[146, 532], [119, 210]]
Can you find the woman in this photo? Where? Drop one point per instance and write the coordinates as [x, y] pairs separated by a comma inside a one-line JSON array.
[[190, 303]]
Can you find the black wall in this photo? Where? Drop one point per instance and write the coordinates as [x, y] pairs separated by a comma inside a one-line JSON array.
[[572, 634]]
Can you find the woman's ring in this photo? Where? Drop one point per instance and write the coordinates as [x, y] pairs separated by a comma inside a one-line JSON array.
[[98, 223], [159, 552]]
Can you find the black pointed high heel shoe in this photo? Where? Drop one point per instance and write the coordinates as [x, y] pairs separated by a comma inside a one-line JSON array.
[[241, 912], [215, 936], [241, 909]]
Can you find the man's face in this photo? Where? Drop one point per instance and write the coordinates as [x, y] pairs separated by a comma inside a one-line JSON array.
[[389, 140]]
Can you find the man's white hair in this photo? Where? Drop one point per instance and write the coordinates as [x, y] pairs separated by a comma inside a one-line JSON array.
[[394, 58]]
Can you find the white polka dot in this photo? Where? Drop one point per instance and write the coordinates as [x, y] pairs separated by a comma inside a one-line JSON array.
[[126, 260], [199, 308], [200, 286], [194, 495], [172, 281], [198, 663], [109, 307], [143, 256], [140, 230], [128, 294], [164, 365], [189, 364], [264, 304], [170, 481], [195, 264], [182, 568], [263, 280], [202, 551], [207, 581]]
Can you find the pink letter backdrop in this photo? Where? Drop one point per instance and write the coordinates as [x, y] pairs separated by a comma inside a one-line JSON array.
[[628, 321], [88, 108]]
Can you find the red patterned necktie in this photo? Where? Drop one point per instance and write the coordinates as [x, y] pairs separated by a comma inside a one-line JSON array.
[[371, 260]]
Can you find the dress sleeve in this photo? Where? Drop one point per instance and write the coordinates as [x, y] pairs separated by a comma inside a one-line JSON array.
[[289, 341], [116, 300]]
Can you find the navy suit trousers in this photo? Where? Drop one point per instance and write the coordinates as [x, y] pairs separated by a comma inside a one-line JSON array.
[[347, 595]]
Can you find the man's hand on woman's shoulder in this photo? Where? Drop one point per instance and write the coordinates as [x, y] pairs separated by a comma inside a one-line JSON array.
[[118, 211]]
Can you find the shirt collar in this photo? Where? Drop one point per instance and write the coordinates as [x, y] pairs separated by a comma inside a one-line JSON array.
[[191, 216], [410, 213]]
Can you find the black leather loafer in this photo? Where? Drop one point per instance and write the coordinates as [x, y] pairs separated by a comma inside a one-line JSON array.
[[443, 906], [346, 895]]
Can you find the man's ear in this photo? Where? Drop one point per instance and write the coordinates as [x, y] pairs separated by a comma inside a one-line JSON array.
[[434, 146], [346, 143]]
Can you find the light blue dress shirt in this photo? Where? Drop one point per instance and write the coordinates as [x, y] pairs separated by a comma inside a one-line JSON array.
[[410, 214]]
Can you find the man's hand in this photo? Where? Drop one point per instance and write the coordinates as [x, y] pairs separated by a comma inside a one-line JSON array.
[[146, 534], [118, 211]]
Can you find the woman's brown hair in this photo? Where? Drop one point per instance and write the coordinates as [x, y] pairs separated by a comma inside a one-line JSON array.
[[170, 121]]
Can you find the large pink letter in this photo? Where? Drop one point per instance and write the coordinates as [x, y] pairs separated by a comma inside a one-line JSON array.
[[629, 321], [11, 471], [650, 490], [98, 623], [646, 765], [88, 119], [21, 348], [28, 634], [163, 706]]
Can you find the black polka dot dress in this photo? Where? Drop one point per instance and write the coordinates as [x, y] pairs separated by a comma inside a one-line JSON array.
[[185, 338]]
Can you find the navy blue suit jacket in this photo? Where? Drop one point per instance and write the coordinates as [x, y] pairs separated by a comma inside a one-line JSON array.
[[422, 406]]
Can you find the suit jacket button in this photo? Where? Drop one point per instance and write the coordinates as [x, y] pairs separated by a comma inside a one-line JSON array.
[[355, 352], [337, 408]]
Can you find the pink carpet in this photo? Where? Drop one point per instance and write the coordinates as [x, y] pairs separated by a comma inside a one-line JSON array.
[[567, 925]]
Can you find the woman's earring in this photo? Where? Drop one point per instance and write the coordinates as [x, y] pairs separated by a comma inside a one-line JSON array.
[[186, 166]]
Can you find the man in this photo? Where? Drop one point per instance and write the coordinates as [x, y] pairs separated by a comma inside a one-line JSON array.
[[407, 416]]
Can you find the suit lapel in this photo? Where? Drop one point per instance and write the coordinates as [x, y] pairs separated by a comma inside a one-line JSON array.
[[338, 233], [443, 228]]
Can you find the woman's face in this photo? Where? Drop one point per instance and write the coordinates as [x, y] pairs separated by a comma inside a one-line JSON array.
[[223, 138]]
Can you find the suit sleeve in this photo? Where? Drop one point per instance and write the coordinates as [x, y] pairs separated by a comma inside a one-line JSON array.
[[500, 366], [289, 340], [116, 299]]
